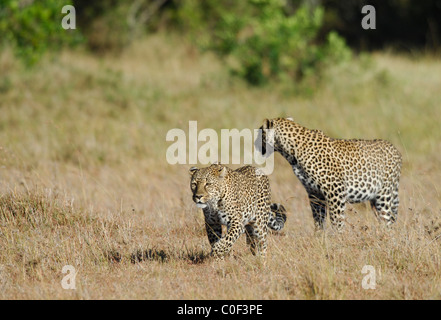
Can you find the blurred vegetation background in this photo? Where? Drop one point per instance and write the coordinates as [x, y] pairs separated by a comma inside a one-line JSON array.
[[261, 40], [84, 114]]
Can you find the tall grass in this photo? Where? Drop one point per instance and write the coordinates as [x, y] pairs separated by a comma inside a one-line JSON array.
[[84, 180]]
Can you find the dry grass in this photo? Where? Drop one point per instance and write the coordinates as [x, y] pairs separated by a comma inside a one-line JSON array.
[[84, 181]]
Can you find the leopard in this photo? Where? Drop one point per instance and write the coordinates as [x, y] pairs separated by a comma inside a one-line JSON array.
[[335, 172], [239, 199]]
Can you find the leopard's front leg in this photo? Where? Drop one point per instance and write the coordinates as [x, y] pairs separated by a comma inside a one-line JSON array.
[[336, 202], [212, 225], [223, 247], [214, 232]]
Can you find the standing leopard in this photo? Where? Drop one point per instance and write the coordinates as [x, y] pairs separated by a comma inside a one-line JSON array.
[[336, 171], [239, 199]]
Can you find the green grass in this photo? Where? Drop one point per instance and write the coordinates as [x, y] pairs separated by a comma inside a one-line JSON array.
[[84, 180]]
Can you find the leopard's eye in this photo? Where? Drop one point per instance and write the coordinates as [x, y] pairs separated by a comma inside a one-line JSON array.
[[193, 185]]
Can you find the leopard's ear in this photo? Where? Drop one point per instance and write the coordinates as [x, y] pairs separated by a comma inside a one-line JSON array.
[[192, 170], [290, 119], [267, 124], [222, 172]]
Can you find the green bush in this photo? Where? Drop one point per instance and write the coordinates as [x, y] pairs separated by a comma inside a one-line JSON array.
[[262, 41], [32, 27]]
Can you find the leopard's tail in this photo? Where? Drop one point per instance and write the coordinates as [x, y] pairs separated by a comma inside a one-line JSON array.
[[277, 216]]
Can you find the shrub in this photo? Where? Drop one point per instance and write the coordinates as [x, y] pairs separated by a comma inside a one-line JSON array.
[[262, 41], [32, 27]]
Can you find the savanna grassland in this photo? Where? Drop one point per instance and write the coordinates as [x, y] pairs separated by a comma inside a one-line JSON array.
[[84, 179]]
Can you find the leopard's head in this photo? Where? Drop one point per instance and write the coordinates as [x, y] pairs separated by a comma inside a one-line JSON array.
[[207, 184], [267, 140]]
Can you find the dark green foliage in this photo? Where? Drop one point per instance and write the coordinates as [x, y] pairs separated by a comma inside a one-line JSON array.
[[32, 27], [262, 41], [400, 24]]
